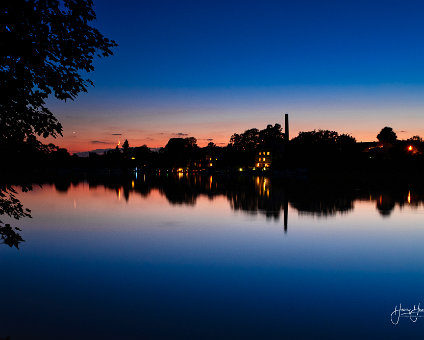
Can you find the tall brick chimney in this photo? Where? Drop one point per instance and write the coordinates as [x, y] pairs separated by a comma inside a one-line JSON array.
[[286, 128]]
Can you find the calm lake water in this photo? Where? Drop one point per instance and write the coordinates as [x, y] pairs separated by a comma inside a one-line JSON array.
[[212, 257]]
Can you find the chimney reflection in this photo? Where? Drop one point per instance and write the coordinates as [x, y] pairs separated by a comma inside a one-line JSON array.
[[286, 214]]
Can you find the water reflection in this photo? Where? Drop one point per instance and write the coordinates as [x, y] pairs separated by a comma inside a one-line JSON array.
[[152, 264], [270, 197], [266, 196]]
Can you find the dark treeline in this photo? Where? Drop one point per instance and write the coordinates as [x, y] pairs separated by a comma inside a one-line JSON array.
[[314, 151]]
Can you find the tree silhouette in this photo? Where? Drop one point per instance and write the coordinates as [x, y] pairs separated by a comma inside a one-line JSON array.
[[272, 135], [322, 149], [179, 151], [251, 139], [387, 135], [415, 139], [126, 148], [247, 141], [45, 48], [11, 206], [143, 156], [323, 138]]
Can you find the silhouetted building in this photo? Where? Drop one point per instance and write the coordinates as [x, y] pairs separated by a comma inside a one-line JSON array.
[[263, 159], [204, 163]]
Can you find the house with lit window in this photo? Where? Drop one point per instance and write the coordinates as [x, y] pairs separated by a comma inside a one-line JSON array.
[[207, 162], [263, 159], [210, 161]]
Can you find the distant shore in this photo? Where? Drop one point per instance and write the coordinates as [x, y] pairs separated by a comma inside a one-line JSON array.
[[367, 177]]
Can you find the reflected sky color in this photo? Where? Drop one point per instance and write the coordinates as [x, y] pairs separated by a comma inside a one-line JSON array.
[[96, 265], [214, 68]]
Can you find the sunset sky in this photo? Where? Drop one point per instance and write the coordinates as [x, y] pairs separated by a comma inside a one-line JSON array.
[[211, 68]]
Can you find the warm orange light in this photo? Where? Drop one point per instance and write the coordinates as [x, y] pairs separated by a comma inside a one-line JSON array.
[[210, 164], [409, 197], [132, 157], [410, 148], [132, 184]]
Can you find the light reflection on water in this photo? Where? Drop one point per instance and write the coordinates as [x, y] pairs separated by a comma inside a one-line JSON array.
[[188, 256]]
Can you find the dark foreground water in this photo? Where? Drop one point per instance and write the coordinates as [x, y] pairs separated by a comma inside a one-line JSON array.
[[204, 257]]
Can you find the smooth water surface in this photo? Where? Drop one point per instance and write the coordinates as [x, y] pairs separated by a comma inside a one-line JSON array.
[[204, 257]]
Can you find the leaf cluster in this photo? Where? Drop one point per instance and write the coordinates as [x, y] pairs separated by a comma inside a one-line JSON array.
[[46, 46]]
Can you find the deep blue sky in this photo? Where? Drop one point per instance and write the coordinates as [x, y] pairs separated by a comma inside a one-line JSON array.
[[211, 68]]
